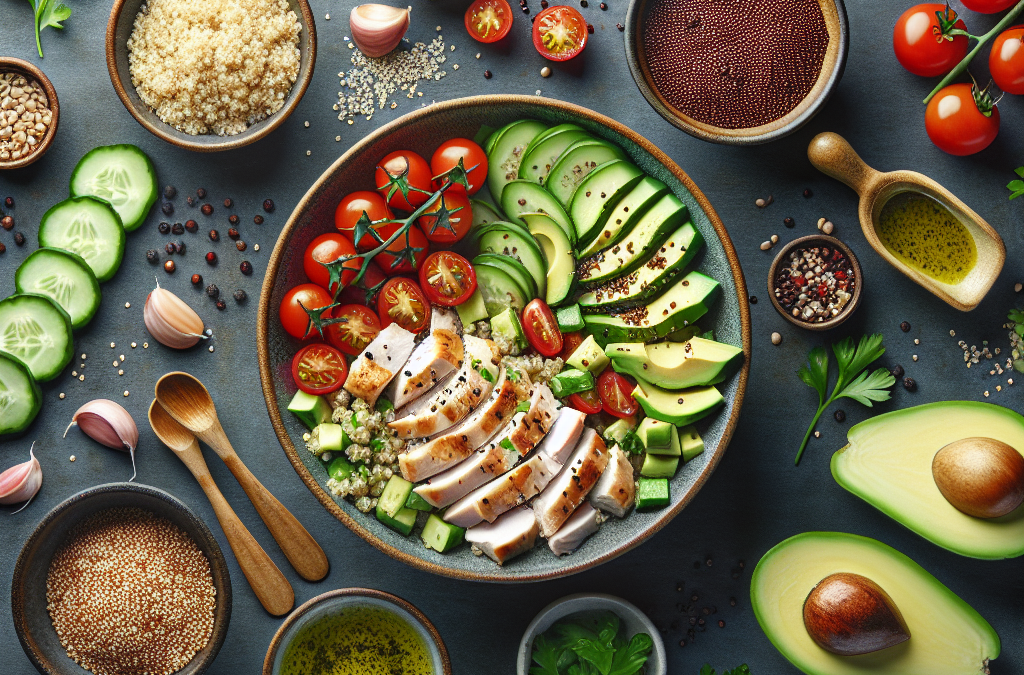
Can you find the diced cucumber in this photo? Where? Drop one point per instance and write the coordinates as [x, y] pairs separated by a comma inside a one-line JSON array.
[[441, 536], [541, 155], [473, 309], [522, 196], [570, 382], [598, 194], [510, 243], [310, 409], [513, 268], [498, 290], [331, 437], [573, 165], [659, 466], [121, 175], [36, 330], [506, 153], [484, 213], [569, 318], [626, 213], [396, 492], [652, 493], [417, 503], [340, 468], [88, 227], [20, 396], [65, 278], [402, 522], [507, 325]]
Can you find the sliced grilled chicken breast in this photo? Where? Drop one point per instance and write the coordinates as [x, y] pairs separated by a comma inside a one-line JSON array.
[[379, 363], [542, 414], [445, 318], [564, 434], [581, 524], [510, 535], [615, 490], [438, 355], [570, 487], [503, 493]]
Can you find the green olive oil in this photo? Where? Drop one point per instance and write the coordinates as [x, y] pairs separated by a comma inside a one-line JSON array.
[[922, 233], [358, 641]]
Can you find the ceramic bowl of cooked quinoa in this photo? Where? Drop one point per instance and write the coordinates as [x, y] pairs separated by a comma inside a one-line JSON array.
[[210, 76]]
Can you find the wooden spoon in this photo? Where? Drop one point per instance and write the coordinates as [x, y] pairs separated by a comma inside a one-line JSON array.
[[187, 401], [833, 156], [270, 585]]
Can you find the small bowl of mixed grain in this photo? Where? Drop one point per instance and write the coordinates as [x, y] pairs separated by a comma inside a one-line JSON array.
[[28, 113], [211, 76], [815, 282], [121, 579]]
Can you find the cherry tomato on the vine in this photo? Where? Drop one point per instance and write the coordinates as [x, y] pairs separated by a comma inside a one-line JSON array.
[[473, 157], [988, 6], [358, 329], [588, 402], [616, 393], [488, 20], [559, 33], [570, 341], [957, 122], [402, 301], [447, 278], [328, 248], [922, 41], [454, 224], [1006, 61], [541, 328], [293, 317], [406, 170], [350, 210], [389, 259], [319, 369], [356, 292]]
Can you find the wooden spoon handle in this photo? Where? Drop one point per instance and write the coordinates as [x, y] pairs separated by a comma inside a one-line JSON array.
[[832, 155]]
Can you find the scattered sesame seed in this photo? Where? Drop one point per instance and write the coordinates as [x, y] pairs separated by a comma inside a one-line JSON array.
[[952, 333], [538, 92], [81, 378], [116, 364], [456, 66], [120, 372], [62, 395], [327, 16], [74, 373], [999, 387], [209, 332], [986, 394], [438, 29], [914, 357], [112, 345], [127, 305], [917, 341], [83, 357], [72, 458], [478, 55], [255, 247], [126, 393], [211, 349], [133, 345], [121, 357], [306, 124], [817, 434], [453, 48], [337, 138], [308, 153]]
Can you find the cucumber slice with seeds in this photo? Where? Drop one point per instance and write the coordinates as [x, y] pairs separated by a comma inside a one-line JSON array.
[[573, 165], [498, 289], [36, 330], [121, 175], [65, 278], [88, 227], [20, 395], [505, 156]]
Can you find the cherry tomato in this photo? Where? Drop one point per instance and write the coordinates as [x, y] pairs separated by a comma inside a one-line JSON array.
[[956, 122], [616, 393], [1006, 62], [447, 278], [327, 248], [403, 168], [319, 369], [559, 33], [488, 20], [356, 293], [588, 402], [541, 328], [919, 42], [988, 6], [293, 317], [570, 341], [351, 336], [352, 207], [473, 157], [388, 259], [402, 301], [455, 225]]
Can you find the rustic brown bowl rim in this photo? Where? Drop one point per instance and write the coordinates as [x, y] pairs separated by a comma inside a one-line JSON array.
[[32, 71], [857, 292], [266, 311], [275, 642], [263, 127]]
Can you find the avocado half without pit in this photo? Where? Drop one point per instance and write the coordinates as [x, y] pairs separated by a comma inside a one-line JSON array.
[[849, 614], [981, 477]]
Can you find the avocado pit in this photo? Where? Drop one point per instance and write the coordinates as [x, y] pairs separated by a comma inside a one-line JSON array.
[[849, 614], [979, 476]]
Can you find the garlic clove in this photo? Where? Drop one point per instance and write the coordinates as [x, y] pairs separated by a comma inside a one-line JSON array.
[[377, 29], [170, 321], [21, 482], [107, 423]]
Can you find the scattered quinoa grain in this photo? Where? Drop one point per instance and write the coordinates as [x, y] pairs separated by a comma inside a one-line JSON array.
[[134, 345], [71, 458], [62, 395]]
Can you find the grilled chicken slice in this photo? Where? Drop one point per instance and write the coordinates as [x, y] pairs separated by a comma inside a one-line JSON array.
[[379, 363], [506, 492], [542, 414], [564, 434], [581, 524], [615, 491], [570, 487], [445, 318], [464, 392], [438, 355], [510, 535]]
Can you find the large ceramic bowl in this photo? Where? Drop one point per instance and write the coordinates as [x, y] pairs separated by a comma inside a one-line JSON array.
[[422, 131]]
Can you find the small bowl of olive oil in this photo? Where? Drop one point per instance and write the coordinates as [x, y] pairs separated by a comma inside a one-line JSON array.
[[357, 631]]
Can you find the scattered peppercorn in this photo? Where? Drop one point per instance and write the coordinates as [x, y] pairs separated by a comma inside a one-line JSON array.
[[603, 6], [246, 267], [258, 219], [221, 305], [789, 222], [191, 225], [909, 384], [753, 299], [583, 3], [840, 416], [214, 235], [180, 246], [177, 228], [197, 279], [897, 371], [19, 239], [7, 222], [808, 194], [905, 326], [240, 245], [170, 192], [170, 248], [167, 208], [213, 291], [211, 258], [152, 256], [164, 227], [9, 202], [620, 27], [190, 200], [3, 248], [240, 296], [207, 209], [543, 4], [201, 193], [721, 623], [268, 205], [487, 74], [590, 27], [233, 219], [169, 266], [228, 203], [233, 233]]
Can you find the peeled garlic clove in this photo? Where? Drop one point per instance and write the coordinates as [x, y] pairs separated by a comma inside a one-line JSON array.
[[170, 321], [377, 29], [107, 423], [21, 482]]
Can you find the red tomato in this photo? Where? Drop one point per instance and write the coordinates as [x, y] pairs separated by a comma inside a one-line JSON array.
[[447, 278], [588, 402], [988, 6], [559, 33], [956, 122], [1006, 61], [352, 207], [488, 20], [570, 341], [456, 225], [919, 40], [388, 258], [356, 293], [327, 248], [351, 336], [473, 157], [616, 393], [402, 301], [293, 316], [541, 328], [319, 369], [403, 168]]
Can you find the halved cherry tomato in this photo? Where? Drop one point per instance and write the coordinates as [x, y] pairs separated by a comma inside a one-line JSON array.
[[356, 292], [956, 121], [559, 33], [588, 402], [616, 393], [541, 328], [358, 329], [319, 369], [454, 225], [1006, 62], [352, 207], [570, 341], [988, 6], [447, 278], [328, 248], [920, 40], [388, 259], [488, 20], [473, 157], [293, 317], [403, 170], [402, 301]]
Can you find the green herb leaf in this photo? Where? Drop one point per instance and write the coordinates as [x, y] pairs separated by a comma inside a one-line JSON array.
[[631, 443], [608, 628], [569, 633], [630, 659], [741, 669], [545, 655], [852, 362], [596, 653], [1016, 187], [815, 373], [867, 388], [706, 669], [48, 14]]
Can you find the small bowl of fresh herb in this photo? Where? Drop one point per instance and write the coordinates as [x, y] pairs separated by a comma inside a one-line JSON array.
[[595, 632]]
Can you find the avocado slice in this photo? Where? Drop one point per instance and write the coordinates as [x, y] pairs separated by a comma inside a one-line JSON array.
[[626, 213], [659, 466], [542, 153], [573, 165], [557, 251], [512, 242], [690, 442], [947, 636], [522, 196], [684, 406], [888, 464], [597, 195], [588, 356], [506, 152], [676, 365], [657, 436]]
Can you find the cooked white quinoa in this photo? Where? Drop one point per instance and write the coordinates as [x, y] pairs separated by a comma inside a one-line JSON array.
[[214, 66]]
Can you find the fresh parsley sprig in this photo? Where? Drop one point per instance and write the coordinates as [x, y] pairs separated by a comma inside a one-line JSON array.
[[48, 14], [1016, 187], [853, 381]]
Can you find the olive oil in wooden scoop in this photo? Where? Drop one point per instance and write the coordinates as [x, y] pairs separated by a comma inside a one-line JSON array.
[[918, 226]]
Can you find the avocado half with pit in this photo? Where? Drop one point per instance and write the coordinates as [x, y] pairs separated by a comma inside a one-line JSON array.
[[947, 636], [888, 464]]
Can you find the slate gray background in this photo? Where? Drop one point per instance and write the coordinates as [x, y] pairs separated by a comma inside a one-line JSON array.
[[755, 499]]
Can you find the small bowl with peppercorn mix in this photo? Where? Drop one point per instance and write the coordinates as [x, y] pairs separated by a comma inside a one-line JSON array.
[[815, 282], [28, 113]]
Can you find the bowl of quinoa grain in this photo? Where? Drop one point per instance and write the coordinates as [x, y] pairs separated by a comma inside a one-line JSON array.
[[28, 113], [815, 282], [210, 76], [121, 579]]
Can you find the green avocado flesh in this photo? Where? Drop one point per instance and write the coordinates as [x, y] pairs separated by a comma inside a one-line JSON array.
[[947, 637], [888, 464], [676, 365]]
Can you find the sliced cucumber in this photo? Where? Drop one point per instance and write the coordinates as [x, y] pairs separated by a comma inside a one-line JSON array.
[[522, 196], [598, 194], [578, 160], [20, 395], [561, 265], [65, 278], [551, 131], [121, 175], [524, 248], [36, 330], [542, 154], [498, 289], [484, 213], [396, 492], [88, 227], [625, 214], [505, 156], [499, 225], [512, 267]]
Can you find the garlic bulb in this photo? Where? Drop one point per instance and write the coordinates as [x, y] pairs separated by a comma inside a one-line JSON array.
[[107, 423], [377, 29], [22, 481], [170, 321]]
